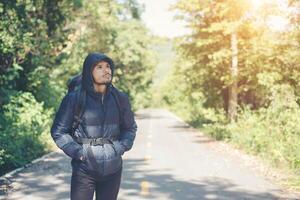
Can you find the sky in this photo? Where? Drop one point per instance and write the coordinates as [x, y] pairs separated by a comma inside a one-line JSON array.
[[160, 20]]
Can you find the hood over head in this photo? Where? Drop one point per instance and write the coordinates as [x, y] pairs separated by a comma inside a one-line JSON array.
[[90, 61]]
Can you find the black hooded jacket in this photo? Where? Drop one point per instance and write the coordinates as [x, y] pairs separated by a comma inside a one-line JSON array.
[[101, 118]]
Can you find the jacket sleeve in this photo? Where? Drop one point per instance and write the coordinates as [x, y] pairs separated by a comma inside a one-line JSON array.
[[129, 127], [62, 127]]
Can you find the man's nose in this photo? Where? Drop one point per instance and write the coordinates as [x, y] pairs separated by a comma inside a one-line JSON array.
[[107, 70]]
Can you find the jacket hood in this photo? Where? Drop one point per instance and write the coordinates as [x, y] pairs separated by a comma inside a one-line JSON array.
[[89, 62]]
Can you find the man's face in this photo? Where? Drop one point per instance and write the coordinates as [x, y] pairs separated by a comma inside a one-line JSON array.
[[102, 73]]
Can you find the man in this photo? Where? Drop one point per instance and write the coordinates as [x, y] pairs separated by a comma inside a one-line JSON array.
[[105, 131]]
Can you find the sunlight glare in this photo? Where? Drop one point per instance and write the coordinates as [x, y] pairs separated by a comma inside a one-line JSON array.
[[277, 23], [257, 3]]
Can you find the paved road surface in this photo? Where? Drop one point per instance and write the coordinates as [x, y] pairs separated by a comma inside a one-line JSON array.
[[169, 161]]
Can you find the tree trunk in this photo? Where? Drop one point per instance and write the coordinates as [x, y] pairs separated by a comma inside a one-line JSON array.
[[233, 93]]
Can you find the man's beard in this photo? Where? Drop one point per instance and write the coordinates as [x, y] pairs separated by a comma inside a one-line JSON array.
[[102, 83]]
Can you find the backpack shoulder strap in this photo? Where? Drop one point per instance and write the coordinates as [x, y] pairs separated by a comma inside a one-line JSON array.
[[120, 103], [79, 109]]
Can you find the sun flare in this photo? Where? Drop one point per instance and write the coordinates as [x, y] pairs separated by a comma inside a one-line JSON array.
[[278, 23], [257, 3]]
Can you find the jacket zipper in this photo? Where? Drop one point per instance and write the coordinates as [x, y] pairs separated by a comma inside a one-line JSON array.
[[104, 116], [102, 126]]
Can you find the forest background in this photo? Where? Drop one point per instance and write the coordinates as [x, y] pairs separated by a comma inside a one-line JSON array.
[[235, 75]]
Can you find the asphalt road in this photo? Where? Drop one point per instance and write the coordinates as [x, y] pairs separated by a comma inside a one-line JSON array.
[[169, 161]]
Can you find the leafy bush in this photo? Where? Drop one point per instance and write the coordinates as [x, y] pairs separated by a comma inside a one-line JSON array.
[[45, 87], [24, 122], [272, 132]]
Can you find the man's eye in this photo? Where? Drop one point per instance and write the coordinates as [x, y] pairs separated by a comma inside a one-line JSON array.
[[101, 66]]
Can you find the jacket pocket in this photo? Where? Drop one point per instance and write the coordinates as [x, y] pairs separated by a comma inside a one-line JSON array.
[[102, 160], [112, 161], [118, 147], [94, 158]]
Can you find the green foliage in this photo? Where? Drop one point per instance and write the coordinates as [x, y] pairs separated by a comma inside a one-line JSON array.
[[268, 92], [188, 100], [24, 121], [272, 132], [260, 50], [135, 63], [43, 44], [32, 35], [166, 56], [44, 87], [126, 40]]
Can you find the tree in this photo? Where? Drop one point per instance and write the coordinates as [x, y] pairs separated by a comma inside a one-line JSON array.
[[232, 50]]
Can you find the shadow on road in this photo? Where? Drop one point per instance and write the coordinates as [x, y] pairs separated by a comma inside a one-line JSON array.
[[50, 180], [146, 116], [47, 179], [166, 185], [181, 128]]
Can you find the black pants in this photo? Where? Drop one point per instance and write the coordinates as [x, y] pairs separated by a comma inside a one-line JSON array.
[[83, 186]]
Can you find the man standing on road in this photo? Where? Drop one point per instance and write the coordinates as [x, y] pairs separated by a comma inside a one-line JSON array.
[[105, 129]]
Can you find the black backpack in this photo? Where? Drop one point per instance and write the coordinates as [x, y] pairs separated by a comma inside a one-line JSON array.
[[75, 84]]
